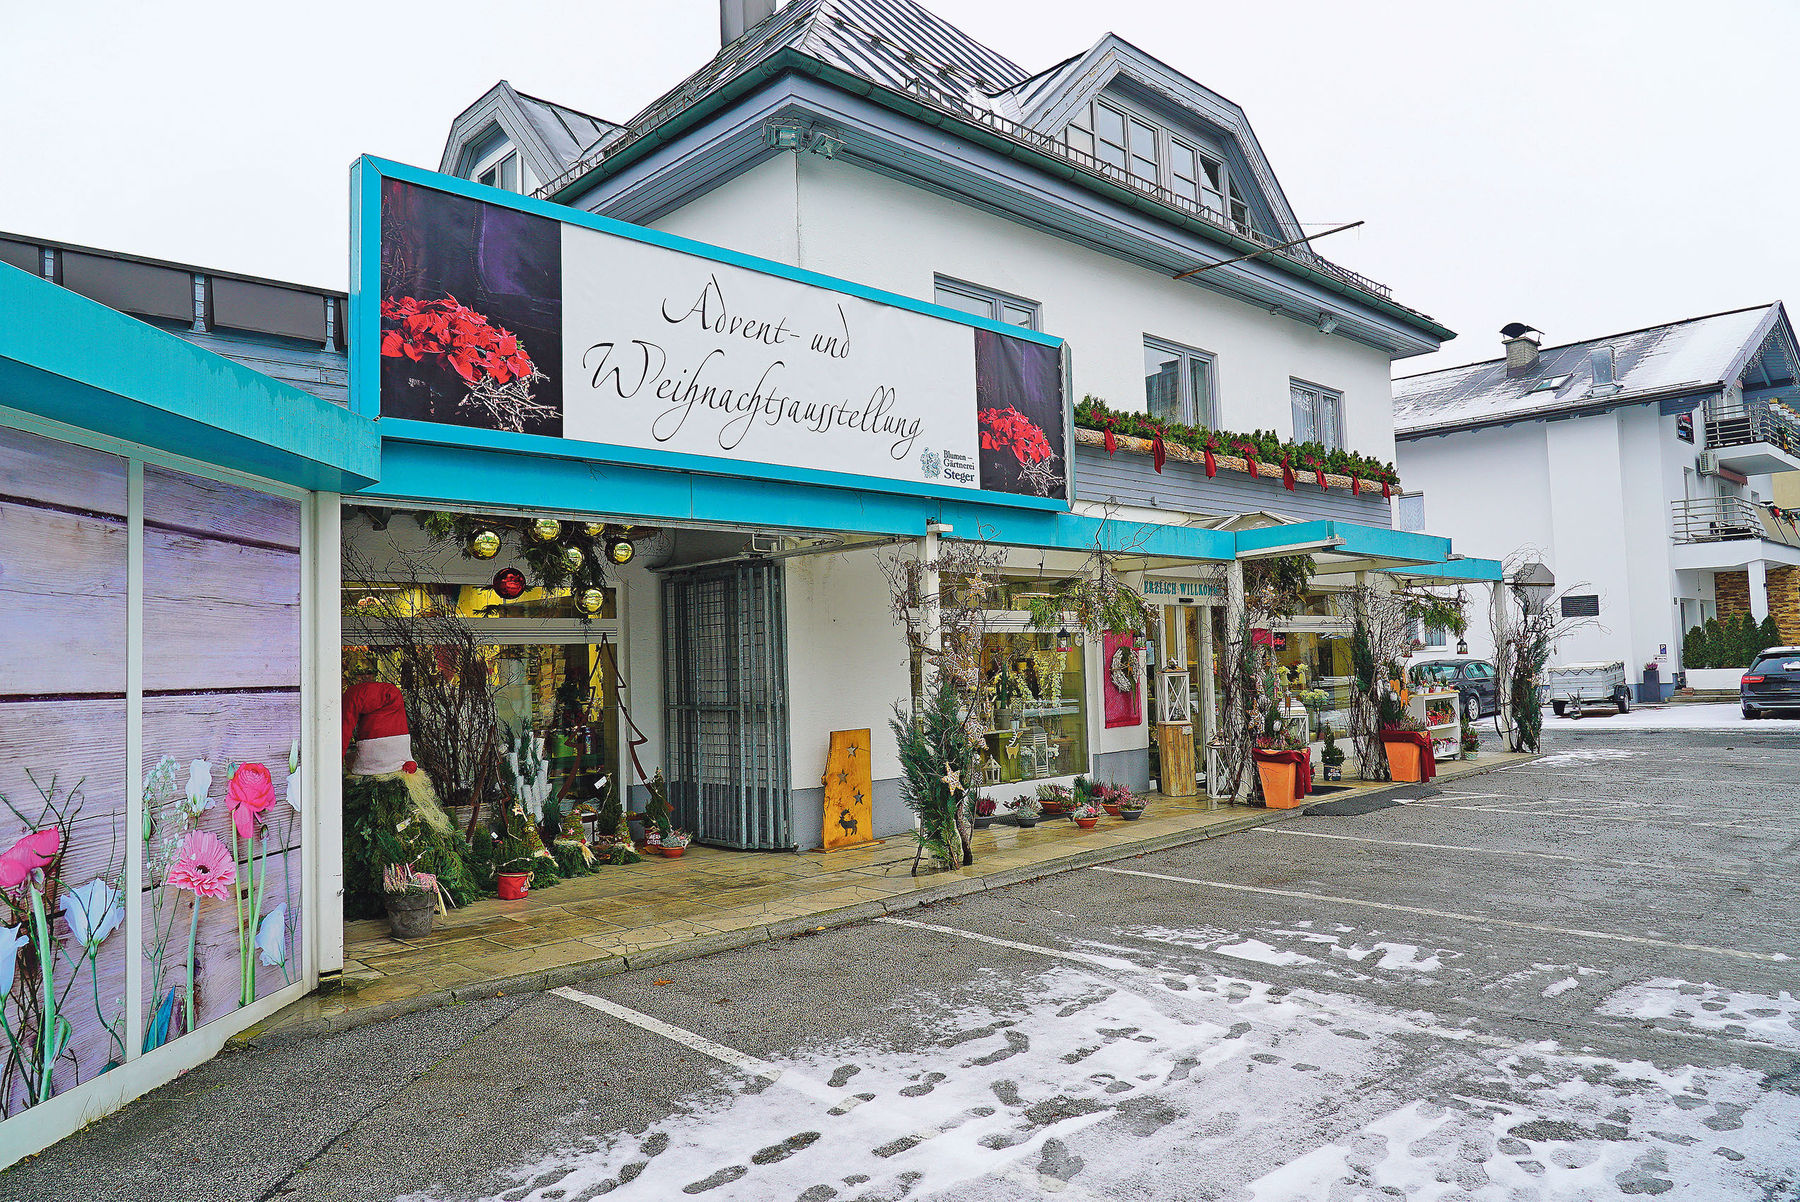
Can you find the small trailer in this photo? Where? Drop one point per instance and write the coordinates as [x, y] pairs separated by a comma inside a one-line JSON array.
[[1572, 687]]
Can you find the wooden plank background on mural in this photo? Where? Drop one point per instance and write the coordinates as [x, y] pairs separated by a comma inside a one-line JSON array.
[[218, 615], [180, 502], [62, 602], [45, 472]]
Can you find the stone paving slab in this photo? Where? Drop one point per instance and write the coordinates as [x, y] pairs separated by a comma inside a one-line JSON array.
[[711, 900]]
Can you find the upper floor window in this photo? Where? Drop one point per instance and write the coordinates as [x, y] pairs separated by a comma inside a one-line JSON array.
[[1318, 415], [1178, 383], [986, 302], [1133, 144], [1410, 512], [501, 172]]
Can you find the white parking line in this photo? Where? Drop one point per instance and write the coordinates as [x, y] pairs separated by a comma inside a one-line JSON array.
[[1496, 851], [742, 1061], [1774, 957], [1039, 949]]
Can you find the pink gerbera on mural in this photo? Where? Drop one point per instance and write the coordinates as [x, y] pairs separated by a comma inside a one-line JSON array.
[[204, 867]]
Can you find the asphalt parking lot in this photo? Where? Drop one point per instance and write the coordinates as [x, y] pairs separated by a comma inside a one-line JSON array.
[[1576, 978]]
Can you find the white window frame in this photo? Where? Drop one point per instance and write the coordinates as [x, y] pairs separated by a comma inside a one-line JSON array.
[[1001, 306], [494, 160], [1218, 190], [1321, 401], [1190, 356]]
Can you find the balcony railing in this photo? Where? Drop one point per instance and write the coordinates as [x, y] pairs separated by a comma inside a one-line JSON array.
[[1746, 422], [1721, 519]]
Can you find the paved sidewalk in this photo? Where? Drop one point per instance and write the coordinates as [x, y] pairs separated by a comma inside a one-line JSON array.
[[711, 900]]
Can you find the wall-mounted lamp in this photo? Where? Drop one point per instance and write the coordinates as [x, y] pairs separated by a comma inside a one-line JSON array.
[[1327, 324], [791, 133]]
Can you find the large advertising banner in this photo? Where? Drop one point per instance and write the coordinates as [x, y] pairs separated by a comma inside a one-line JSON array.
[[500, 319]]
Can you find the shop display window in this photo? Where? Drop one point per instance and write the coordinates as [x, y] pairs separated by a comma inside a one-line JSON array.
[[1035, 706]]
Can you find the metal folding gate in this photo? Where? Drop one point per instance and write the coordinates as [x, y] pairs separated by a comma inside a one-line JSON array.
[[725, 698]]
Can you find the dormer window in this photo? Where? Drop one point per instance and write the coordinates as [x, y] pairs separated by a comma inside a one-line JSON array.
[[1111, 136], [502, 172]]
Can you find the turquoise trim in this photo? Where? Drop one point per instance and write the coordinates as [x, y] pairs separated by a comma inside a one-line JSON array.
[[396, 429], [366, 273], [73, 360], [365, 308], [1474, 571], [1374, 542]]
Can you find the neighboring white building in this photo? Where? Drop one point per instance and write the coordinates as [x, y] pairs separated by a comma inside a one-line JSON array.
[[1637, 466]]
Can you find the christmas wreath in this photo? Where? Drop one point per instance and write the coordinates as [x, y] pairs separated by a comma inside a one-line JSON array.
[[1122, 669]]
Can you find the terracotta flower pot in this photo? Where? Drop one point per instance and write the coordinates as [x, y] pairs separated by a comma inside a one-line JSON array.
[[1403, 761], [1111, 807], [1278, 785], [672, 853], [1086, 824], [514, 885]]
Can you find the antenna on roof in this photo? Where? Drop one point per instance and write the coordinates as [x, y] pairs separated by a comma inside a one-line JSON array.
[[1265, 250]]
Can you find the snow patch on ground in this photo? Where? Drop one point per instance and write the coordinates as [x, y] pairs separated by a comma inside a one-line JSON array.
[[1585, 755], [1261, 953], [1161, 1082], [1701, 716], [1773, 1020], [1561, 987]]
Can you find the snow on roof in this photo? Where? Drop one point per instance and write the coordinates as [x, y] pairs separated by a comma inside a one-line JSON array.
[[1700, 352]]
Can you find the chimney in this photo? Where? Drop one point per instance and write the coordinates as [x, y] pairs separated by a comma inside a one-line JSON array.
[[736, 17], [1521, 343]]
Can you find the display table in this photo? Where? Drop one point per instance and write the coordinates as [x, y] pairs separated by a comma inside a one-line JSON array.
[[1418, 708]]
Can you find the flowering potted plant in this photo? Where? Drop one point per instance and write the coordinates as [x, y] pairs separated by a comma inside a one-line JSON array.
[[1112, 797], [1055, 799], [412, 900], [1131, 807], [674, 843], [1086, 815], [1027, 810], [982, 813]]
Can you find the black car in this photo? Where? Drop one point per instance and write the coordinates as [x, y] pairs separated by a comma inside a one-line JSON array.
[[1475, 679], [1773, 682]]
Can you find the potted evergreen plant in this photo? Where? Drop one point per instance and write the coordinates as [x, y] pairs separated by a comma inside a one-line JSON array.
[[673, 843], [1332, 756]]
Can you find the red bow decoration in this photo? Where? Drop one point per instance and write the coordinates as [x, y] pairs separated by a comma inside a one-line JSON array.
[[1112, 444], [1287, 474], [1355, 485], [1318, 471], [1249, 454], [1158, 453], [1212, 468], [1385, 492]]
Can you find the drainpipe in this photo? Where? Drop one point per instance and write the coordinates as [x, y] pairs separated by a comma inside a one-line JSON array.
[[1209, 725], [1758, 573], [929, 584]]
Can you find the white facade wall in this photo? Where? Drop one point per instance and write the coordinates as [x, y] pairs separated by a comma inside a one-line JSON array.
[[862, 226]]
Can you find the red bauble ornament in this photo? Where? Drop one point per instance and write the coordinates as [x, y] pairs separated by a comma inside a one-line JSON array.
[[510, 583]]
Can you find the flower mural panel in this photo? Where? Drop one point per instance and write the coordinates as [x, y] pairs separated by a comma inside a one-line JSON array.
[[221, 841], [63, 842]]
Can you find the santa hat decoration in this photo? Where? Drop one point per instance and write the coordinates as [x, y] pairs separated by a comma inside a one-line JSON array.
[[375, 719]]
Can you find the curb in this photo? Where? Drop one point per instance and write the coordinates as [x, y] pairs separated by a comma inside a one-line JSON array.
[[265, 1036]]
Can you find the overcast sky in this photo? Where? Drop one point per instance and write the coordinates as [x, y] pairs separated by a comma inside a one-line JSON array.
[[1585, 167]]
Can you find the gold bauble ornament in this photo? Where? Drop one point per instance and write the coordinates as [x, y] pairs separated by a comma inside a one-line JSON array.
[[573, 558], [620, 551], [594, 529], [592, 601], [484, 544], [545, 529]]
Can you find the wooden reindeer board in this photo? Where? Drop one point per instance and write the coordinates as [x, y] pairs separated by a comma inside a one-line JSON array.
[[849, 819]]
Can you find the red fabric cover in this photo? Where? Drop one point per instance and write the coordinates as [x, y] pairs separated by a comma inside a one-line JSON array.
[[373, 709], [1427, 761]]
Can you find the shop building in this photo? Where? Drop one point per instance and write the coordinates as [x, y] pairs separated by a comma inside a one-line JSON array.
[[934, 243], [1641, 466]]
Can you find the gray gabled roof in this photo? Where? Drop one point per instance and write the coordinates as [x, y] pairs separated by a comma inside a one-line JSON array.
[[1681, 357], [566, 131]]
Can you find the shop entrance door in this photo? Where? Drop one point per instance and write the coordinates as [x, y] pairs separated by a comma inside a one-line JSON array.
[[725, 693]]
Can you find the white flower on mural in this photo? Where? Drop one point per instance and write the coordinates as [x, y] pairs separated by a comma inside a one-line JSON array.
[[11, 940], [271, 937], [93, 912], [200, 781]]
